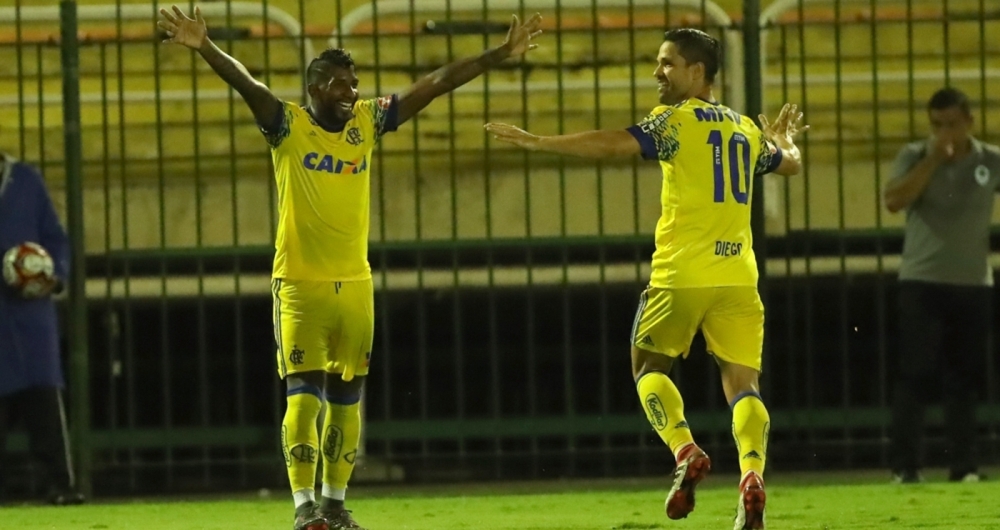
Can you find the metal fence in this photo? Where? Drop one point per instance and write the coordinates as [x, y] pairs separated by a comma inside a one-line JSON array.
[[505, 281]]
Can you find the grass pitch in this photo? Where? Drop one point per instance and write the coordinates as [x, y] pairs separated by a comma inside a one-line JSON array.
[[815, 502]]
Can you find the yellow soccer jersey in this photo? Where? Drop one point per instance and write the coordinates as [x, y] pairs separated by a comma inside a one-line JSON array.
[[324, 192], [709, 155]]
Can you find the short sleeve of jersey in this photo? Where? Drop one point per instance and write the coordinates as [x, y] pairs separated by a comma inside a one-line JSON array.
[[658, 135], [275, 133], [908, 156], [384, 112], [769, 158]]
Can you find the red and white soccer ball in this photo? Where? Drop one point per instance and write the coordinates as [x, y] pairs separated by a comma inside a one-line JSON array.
[[29, 270]]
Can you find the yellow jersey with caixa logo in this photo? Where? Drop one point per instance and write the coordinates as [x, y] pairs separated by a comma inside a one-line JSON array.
[[709, 155], [323, 187]]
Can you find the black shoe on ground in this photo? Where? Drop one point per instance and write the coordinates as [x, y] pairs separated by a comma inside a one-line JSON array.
[[307, 517], [340, 519]]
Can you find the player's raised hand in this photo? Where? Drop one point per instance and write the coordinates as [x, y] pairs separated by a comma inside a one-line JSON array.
[[785, 127], [182, 29], [512, 135], [519, 36]]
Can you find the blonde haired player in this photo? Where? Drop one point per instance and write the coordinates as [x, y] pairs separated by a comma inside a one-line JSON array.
[[322, 284], [704, 273]]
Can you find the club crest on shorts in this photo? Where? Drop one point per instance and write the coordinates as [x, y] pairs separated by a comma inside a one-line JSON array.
[[982, 175], [298, 356]]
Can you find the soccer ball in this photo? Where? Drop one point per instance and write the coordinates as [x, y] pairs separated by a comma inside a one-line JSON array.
[[29, 270]]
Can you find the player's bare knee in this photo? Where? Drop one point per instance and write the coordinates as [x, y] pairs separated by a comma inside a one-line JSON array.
[[645, 361], [344, 392], [305, 383], [738, 379], [315, 379]]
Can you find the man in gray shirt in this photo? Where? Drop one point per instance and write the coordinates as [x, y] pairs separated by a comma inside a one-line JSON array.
[[946, 184]]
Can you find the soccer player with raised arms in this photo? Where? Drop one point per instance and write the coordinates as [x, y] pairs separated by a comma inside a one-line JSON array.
[[704, 274], [321, 281]]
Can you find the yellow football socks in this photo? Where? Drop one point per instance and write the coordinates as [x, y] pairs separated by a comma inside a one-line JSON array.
[[664, 409], [300, 441], [341, 436], [751, 425]]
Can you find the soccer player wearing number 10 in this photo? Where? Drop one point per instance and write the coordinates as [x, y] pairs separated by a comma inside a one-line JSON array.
[[704, 274]]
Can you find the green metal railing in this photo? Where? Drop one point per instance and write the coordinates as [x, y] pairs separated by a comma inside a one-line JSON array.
[[506, 281]]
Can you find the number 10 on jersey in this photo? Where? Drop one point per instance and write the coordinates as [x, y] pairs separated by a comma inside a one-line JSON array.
[[737, 145]]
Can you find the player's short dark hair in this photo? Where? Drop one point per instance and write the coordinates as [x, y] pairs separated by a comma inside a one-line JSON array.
[[947, 98], [696, 46], [319, 68]]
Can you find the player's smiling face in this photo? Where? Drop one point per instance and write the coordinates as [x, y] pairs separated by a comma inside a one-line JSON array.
[[334, 99], [674, 74]]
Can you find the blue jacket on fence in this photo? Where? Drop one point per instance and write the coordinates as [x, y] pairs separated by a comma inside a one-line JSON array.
[[29, 330]]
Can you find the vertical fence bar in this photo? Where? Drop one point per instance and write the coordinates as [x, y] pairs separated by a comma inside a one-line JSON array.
[[79, 360], [161, 176], [911, 90], [40, 72], [384, 299], [991, 372], [529, 314], [810, 350], [567, 331], [880, 296], [110, 315], [234, 200], [493, 353], [604, 362], [278, 386], [754, 105], [643, 436], [421, 301], [845, 350], [238, 340], [791, 283], [204, 396], [130, 369], [456, 295], [983, 96], [946, 44], [18, 35], [303, 61], [271, 190]]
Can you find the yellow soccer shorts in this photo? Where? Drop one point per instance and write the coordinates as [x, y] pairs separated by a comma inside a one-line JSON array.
[[731, 318], [323, 326]]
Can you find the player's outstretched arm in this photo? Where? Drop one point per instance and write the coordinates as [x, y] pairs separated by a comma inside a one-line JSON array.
[[458, 73], [782, 133], [193, 33], [590, 144]]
